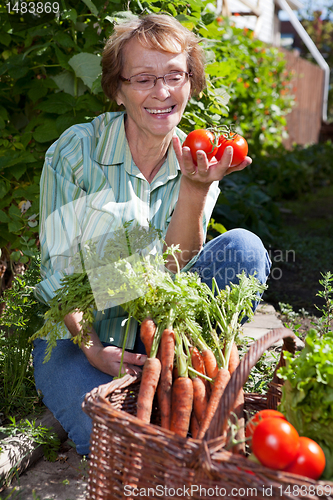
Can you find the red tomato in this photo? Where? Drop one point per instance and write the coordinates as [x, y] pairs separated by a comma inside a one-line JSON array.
[[201, 139], [275, 443], [310, 460], [239, 145], [251, 425]]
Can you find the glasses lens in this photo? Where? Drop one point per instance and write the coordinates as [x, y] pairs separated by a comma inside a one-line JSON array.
[[143, 82], [175, 79]]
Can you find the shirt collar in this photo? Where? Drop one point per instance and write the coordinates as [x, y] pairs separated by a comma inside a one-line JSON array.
[[110, 149], [113, 149]]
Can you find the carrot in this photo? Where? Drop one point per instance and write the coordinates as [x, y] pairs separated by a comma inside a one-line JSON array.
[[147, 332], [164, 390], [197, 360], [150, 377], [210, 363], [199, 365], [175, 373], [194, 426], [233, 359], [221, 380], [200, 398], [181, 405]]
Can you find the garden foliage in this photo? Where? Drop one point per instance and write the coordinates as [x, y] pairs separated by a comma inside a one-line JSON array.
[[50, 79]]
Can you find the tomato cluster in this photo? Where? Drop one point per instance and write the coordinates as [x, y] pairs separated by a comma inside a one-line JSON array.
[[206, 141], [276, 444]]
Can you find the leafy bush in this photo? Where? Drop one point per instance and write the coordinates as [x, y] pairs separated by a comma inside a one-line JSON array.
[[256, 78], [288, 174], [22, 316], [243, 203], [44, 88]]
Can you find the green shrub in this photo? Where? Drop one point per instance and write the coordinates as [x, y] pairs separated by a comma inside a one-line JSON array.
[[289, 174], [23, 316]]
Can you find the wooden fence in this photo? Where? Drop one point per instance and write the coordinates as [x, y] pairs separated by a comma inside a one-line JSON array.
[[305, 120]]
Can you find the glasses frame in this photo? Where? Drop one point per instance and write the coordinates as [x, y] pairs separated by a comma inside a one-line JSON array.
[[128, 80]]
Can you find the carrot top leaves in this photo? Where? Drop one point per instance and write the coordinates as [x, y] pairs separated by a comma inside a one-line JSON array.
[[144, 287]]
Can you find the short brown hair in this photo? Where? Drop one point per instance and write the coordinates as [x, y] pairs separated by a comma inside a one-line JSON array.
[[154, 31]]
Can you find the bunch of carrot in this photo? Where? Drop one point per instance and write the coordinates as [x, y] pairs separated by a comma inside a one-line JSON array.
[[189, 331], [187, 381]]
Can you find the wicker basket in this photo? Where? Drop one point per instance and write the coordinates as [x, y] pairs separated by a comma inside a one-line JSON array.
[[132, 459]]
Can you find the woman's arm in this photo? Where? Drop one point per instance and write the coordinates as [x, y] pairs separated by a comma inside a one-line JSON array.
[[106, 359], [186, 225]]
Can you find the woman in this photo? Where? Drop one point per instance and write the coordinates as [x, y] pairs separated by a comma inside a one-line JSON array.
[[130, 166]]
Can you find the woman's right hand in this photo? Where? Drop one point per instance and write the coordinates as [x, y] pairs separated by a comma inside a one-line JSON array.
[[107, 359]]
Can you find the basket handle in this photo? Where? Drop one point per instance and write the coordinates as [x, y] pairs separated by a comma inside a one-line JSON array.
[[219, 422]]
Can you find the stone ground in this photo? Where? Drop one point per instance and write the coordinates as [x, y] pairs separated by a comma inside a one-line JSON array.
[[66, 478]]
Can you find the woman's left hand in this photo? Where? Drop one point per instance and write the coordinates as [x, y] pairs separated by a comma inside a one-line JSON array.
[[206, 172]]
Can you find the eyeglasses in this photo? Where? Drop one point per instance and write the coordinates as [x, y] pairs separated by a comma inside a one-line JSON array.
[[146, 82]]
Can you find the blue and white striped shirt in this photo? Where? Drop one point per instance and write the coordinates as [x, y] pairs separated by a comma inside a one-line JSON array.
[[91, 187]]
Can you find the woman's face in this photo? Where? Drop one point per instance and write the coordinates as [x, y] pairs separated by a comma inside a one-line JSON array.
[[156, 111]]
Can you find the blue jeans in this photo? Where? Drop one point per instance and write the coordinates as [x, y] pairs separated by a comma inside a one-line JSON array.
[[68, 376]]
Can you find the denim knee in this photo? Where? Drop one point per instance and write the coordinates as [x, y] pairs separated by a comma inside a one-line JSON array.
[[230, 254], [64, 381]]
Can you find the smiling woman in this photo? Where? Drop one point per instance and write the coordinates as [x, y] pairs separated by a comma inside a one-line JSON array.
[[101, 180]]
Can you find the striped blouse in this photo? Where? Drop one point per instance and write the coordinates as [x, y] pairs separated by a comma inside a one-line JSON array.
[[90, 189]]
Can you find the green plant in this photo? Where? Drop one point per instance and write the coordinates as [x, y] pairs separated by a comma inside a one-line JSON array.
[[244, 203], [22, 316], [261, 374], [287, 175], [307, 391], [255, 77], [44, 88], [39, 436], [253, 198], [326, 319]]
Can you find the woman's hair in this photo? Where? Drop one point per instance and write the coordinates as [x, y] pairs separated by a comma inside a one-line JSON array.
[[154, 31]]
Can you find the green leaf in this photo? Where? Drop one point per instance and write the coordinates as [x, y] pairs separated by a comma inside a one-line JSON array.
[[62, 59], [37, 92], [66, 82], [46, 132], [88, 101], [17, 72], [64, 39], [58, 103], [87, 67], [4, 188], [13, 158], [69, 14], [5, 39], [28, 192], [15, 256], [92, 7], [18, 170], [3, 113], [15, 226], [63, 122], [14, 211], [4, 217], [96, 86]]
